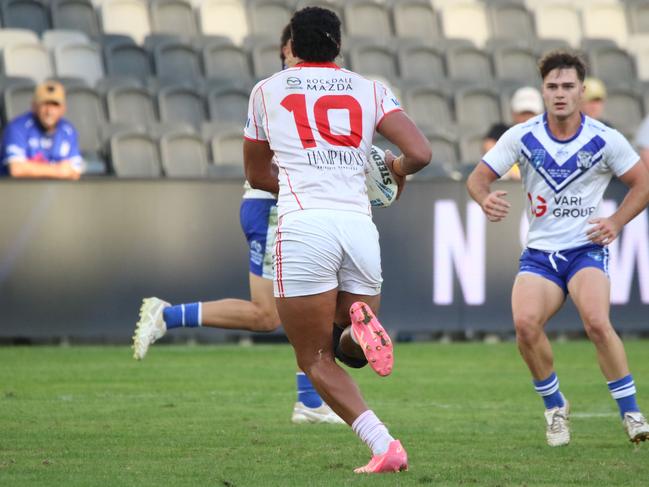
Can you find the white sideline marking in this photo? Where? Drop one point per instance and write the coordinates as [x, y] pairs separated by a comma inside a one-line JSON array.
[[592, 415]]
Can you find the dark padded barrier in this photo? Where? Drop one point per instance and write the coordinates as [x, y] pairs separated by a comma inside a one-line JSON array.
[[76, 258]]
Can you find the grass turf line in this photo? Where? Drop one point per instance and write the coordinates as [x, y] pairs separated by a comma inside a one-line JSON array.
[[219, 416]]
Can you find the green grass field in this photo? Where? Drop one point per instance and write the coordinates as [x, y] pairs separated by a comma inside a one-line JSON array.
[[219, 416]]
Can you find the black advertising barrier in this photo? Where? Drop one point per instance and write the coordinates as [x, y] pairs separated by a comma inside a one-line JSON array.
[[76, 258]]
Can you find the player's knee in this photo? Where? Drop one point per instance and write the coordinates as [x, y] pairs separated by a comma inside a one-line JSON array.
[[315, 365], [267, 321], [528, 328], [598, 328]]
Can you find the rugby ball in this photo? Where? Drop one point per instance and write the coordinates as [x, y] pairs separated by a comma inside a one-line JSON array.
[[381, 185]]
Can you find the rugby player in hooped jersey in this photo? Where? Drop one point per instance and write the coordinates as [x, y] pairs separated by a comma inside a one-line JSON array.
[[567, 160], [317, 121]]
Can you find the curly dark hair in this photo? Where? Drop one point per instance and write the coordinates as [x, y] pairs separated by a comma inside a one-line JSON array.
[[315, 33], [562, 59]]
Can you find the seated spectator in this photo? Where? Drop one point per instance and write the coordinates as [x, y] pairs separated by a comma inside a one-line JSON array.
[[525, 104], [642, 141], [594, 99], [41, 143]]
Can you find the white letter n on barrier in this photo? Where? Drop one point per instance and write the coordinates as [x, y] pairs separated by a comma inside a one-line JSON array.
[[453, 251]]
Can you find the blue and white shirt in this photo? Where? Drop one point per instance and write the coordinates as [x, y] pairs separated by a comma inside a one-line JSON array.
[[564, 180], [25, 140]]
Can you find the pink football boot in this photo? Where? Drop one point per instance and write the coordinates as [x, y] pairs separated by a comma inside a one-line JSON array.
[[393, 460], [372, 338]]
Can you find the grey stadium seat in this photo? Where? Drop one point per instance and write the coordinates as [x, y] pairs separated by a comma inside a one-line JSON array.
[[135, 155], [224, 17], [131, 104], [638, 16], [53, 38], [623, 109], [127, 59], [28, 60], [75, 14], [81, 60], [421, 62], [367, 18], [225, 60], [265, 56], [268, 17], [370, 60], [415, 19], [26, 14], [227, 148], [17, 36], [183, 155], [85, 109], [181, 104], [471, 146], [429, 106], [477, 106], [611, 63], [516, 63], [130, 17], [173, 16], [17, 98], [228, 104], [445, 147], [511, 20], [465, 20], [176, 61], [468, 63]]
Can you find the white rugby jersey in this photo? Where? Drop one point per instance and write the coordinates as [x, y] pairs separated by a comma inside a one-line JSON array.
[[319, 120], [564, 180]]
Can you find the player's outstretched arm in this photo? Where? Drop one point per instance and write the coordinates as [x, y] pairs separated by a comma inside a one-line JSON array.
[[399, 129], [493, 203], [260, 171], [605, 230]]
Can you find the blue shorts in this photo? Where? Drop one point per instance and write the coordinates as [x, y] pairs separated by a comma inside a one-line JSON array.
[[258, 219], [560, 266]]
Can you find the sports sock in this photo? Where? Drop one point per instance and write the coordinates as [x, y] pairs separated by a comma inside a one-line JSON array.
[[188, 315], [623, 391], [306, 394], [548, 389], [374, 433]]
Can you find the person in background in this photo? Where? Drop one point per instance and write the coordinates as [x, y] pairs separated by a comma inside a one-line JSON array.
[[41, 143], [525, 104], [593, 101]]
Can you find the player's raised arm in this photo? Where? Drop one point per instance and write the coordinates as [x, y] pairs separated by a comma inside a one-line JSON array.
[[493, 203]]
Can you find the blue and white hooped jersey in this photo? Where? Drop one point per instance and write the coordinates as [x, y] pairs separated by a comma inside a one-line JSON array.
[[564, 180]]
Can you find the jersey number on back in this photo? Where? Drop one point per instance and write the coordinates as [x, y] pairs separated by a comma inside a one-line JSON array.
[[296, 104]]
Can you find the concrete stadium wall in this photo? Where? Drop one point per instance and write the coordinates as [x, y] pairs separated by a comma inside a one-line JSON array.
[[76, 258]]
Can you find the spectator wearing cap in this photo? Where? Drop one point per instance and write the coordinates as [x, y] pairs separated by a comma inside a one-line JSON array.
[[526, 103], [41, 143], [593, 99]]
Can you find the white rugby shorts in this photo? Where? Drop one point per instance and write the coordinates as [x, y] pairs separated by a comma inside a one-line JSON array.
[[318, 250]]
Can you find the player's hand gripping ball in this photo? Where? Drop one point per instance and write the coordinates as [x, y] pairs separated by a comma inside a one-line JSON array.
[[379, 181]]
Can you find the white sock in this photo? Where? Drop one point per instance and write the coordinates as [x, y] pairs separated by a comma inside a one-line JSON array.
[[373, 433]]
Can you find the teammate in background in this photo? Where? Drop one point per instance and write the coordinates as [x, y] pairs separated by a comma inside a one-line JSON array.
[[258, 216], [567, 160], [41, 143], [316, 121]]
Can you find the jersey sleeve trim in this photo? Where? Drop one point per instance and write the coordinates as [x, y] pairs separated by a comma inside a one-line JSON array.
[[489, 166], [399, 109], [256, 141]]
